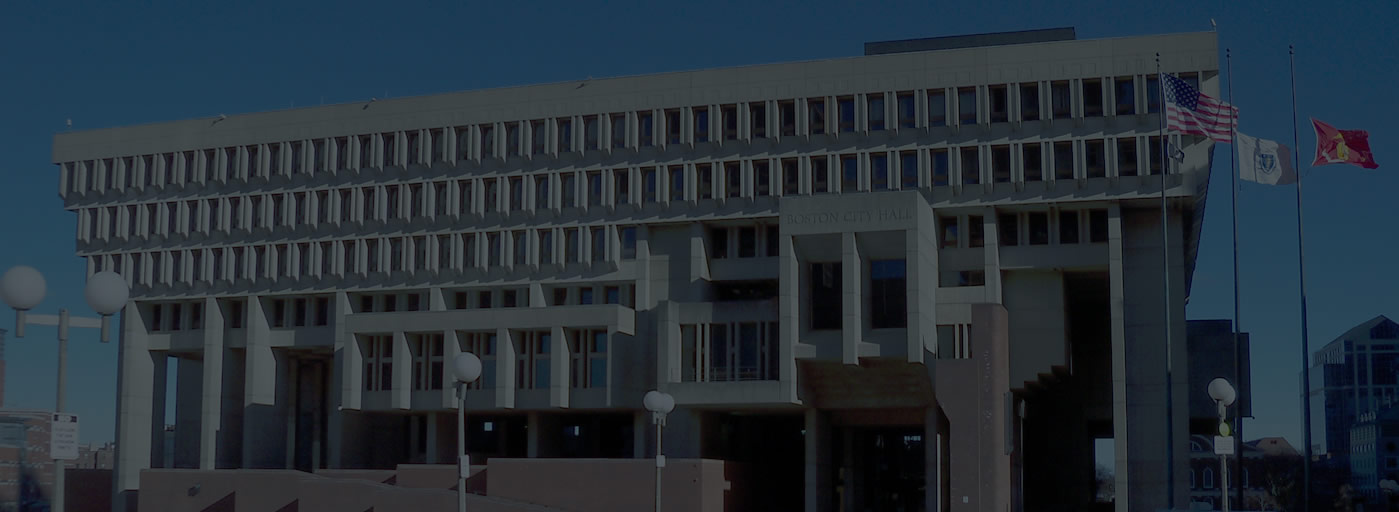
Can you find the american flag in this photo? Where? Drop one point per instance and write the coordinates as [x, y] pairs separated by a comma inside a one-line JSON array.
[[1188, 111]]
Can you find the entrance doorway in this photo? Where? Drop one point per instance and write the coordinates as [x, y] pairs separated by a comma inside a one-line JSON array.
[[879, 469]]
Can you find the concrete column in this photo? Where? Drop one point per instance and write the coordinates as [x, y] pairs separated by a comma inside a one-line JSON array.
[[136, 376], [641, 435], [533, 428], [643, 263], [401, 389], [789, 314], [852, 302], [505, 369], [699, 255], [1123, 493], [1144, 359], [992, 258], [668, 356], [187, 412], [818, 460], [451, 348], [211, 403], [264, 398], [344, 381], [558, 368], [434, 435]]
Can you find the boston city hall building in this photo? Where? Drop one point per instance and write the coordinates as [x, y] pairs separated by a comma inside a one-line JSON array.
[[928, 277]]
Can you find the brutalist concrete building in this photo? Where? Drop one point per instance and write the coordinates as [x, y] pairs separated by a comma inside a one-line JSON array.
[[928, 277]]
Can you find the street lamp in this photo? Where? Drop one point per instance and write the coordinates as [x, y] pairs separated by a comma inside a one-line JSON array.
[[23, 287], [659, 404], [467, 368], [1223, 395]]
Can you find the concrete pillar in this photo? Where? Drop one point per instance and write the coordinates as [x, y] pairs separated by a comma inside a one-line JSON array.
[[641, 437], [558, 368], [344, 381], [818, 462], [187, 412], [992, 255], [401, 389], [534, 429], [136, 409], [1123, 492], [211, 403], [852, 302], [789, 314], [1139, 359], [434, 426], [264, 395], [504, 369]]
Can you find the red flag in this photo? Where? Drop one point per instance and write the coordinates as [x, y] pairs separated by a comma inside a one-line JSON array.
[[1342, 146]]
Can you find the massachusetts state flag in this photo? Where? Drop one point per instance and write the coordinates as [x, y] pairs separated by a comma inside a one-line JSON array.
[[1189, 112], [1335, 146]]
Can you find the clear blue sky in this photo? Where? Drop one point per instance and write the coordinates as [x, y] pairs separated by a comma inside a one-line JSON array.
[[103, 66]]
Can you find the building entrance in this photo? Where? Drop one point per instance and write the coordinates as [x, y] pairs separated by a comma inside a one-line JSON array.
[[879, 469]]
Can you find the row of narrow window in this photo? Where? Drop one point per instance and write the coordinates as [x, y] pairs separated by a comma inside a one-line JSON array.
[[455, 252], [1026, 228], [587, 359], [1031, 162], [869, 112]]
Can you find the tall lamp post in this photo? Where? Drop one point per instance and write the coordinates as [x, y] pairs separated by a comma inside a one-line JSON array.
[[1223, 395], [659, 404], [23, 287], [467, 368]]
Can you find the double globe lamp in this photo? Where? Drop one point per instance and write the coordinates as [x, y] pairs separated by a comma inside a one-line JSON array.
[[23, 287]]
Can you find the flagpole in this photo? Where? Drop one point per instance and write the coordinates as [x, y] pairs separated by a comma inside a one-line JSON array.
[[1238, 431], [1302, 289], [1166, 294]]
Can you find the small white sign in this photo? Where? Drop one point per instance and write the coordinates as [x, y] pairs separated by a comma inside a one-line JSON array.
[[63, 437], [1223, 445], [464, 466]]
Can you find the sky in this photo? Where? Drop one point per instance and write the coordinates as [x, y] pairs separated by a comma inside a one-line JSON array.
[[104, 65]]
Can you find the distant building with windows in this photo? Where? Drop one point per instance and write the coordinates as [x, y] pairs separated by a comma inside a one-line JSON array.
[[26, 471], [862, 278], [1354, 374]]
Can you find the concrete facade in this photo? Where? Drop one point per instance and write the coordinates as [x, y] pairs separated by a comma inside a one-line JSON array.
[[950, 259]]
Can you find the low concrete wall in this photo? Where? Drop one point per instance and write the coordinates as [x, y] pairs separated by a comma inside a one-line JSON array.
[[615, 485], [272, 490], [88, 490]]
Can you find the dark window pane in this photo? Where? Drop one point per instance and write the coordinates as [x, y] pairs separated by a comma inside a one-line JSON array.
[[907, 110], [941, 168], [971, 168], [1039, 228], [1125, 94], [1000, 103], [1068, 227], [1030, 102], [875, 111], [825, 296], [1032, 160], [1093, 98], [976, 231], [937, 108], [845, 108], [1095, 161], [1063, 160], [1098, 226], [966, 105], [888, 294], [1061, 100], [1008, 229], [1127, 157]]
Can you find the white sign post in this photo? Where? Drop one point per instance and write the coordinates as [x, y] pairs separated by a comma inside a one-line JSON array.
[[1223, 445], [63, 441]]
